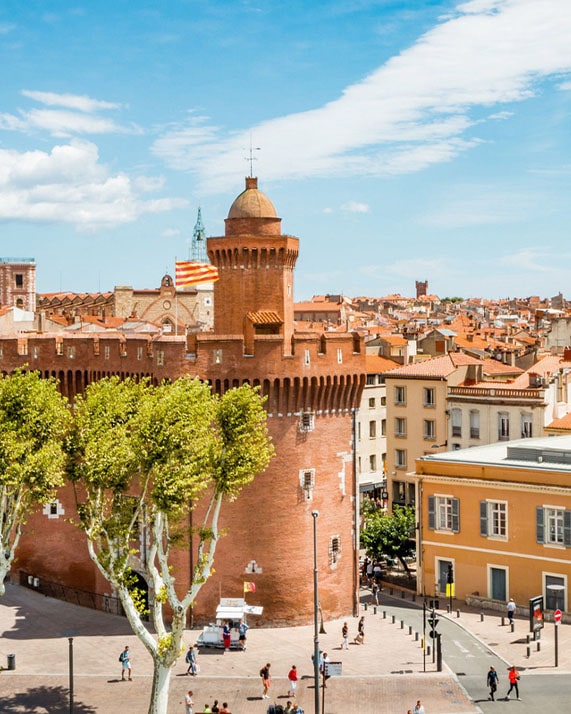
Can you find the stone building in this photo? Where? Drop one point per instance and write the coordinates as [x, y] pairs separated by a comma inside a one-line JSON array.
[[18, 283], [313, 382]]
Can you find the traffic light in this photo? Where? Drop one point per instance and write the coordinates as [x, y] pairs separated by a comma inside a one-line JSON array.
[[432, 623], [450, 576]]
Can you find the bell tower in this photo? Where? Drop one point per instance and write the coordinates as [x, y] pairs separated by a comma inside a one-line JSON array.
[[255, 261]]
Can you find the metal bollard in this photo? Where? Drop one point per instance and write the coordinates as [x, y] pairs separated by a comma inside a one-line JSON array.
[[538, 645], [428, 650], [527, 638], [393, 619], [512, 627], [457, 613], [410, 629], [366, 607], [416, 636], [375, 610], [402, 625], [384, 614], [528, 648], [503, 621], [11, 661], [448, 609], [481, 617]]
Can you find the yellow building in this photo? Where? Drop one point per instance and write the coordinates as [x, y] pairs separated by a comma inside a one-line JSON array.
[[501, 516]]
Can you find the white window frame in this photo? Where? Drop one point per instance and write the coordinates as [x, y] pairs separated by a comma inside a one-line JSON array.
[[474, 423], [400, 458], [496, 519], [428, 397], [400, 427], [526, 425], [503, 426], [400, 396], [456, 421], [429, 430]]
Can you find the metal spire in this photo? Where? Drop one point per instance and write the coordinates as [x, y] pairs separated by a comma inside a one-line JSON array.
[[252, 158], [198, 245]]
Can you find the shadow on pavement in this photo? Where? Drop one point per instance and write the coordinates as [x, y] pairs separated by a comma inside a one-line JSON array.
[[54, 700]]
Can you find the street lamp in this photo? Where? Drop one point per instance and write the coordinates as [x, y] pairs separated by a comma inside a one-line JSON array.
[[314, 515]]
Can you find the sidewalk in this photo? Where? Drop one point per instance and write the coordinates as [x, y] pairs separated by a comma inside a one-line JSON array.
[[384, 675]]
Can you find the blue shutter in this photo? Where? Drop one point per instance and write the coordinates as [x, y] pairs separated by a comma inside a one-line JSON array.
[[539, 528], [484, 518], [432, 513], [455, 515], [567, 528]]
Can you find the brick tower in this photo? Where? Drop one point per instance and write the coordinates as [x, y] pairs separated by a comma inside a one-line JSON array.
[[312, 382]]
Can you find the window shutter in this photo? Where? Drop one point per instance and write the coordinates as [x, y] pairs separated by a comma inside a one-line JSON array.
[[455, 515], [484, 518], [539, 524], [431, 513], [567, 528]]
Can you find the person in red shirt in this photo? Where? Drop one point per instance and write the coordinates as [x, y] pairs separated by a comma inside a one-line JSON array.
[[292, 677], [513, 677]]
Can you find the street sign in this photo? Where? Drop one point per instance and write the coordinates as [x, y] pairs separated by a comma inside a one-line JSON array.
[[433, 622], [333, 669], [433, 634], [557, 616]]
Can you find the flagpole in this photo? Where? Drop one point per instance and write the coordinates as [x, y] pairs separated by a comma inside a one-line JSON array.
[[175, 302]]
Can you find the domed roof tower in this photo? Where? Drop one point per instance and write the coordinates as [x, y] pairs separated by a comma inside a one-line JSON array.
[[254, 293]]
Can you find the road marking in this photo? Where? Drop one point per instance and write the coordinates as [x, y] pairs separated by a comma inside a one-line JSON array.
[[462, 649]]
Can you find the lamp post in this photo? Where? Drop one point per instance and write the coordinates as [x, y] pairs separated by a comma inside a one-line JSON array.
[[314, 515], [70, 641]]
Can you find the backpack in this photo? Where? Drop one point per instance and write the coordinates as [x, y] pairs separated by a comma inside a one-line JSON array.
[[121, 657]]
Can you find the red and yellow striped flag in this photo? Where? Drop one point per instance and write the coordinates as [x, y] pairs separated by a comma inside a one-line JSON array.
[[188, 272], [249, 587]]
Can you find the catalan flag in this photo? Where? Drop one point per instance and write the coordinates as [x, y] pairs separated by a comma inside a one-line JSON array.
[[189, 272], [249, 587]]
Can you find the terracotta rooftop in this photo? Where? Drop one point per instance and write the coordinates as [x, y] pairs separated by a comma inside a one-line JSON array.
[[376, 364], [435, 367]]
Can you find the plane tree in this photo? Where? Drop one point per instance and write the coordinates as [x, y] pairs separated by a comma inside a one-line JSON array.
[[143, 456], [390, 534], [34, 419]]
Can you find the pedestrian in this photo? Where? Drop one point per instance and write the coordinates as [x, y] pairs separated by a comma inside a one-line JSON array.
[[125, 659], [190, 659], [418, 708], [492, 682], [207, 709], [375, 593], [292, 677], [242, 634], [225, 709], [511, 607], [377, 572], [289, 708], [360, 637], [513, 676], [188, 702], [266, 680], [226, 636], [215, 708], [345, 633]]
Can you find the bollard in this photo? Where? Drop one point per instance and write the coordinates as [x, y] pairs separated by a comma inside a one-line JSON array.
[[384, 614], [366, 607], [481, 617], [393, 618], [538, 645], [527, 638], [402, 625], [528, 648], [416, 636], [375, 610], [428, 650], [457, 613], [410, 629], [512, 626], [503, 621], [11, 661], [448, 609]]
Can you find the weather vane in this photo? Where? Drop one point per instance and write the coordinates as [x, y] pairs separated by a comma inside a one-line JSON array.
[[252, 158]]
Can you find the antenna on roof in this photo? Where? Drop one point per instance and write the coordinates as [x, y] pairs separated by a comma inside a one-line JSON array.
[[252, 158]]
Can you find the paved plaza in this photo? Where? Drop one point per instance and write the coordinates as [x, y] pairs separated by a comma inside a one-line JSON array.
[[383, 675]]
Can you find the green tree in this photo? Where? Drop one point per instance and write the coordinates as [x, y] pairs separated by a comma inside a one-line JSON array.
[[142, 457], [34, 419], [390, 534]]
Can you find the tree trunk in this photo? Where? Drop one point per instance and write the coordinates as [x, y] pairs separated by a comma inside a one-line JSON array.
[[160, 694], [404, 565]]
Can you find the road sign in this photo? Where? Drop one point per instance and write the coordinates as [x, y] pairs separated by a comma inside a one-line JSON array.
[[433, 622], [433, 634], [557, 616], [333, 669]]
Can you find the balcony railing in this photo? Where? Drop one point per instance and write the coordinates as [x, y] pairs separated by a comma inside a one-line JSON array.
[[497, 393]]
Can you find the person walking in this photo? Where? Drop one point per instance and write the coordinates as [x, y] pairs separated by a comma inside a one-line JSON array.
[[188, 702], [375, 593], [190, 659], [266, 680], [492, 681], [292, 678], [513, 676], [360, 637], [125, 659], [345, 634], [511, 608], [242, 634], [418, 707]]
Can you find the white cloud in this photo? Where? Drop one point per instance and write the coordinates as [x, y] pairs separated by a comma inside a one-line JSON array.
[[355, 207], [170, 232], [411, 113], [76, 115], [69, 185]]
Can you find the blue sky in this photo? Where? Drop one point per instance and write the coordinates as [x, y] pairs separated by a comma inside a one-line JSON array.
[[399, 140]]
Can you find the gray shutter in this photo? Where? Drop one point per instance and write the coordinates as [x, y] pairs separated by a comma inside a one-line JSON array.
[[484, 518], [539, 525], [455, 515], [567, 528], [432, 513]]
